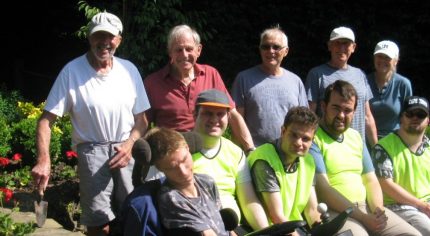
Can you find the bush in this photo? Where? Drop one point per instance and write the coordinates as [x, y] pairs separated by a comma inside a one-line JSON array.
[[5, 136], [18, 123]]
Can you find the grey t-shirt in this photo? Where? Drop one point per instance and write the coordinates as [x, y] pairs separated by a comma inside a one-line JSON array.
[[198, 214], [320, 77], [266, 100]]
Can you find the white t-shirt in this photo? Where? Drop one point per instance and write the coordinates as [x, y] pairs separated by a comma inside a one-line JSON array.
[[101, 107]]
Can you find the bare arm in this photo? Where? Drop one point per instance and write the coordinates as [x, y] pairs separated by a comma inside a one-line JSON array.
[[311, 213], [371, 132], [373, 191], [251, 206], [273, 203], [336, 201], [402, 196], [123, 155], [42, 170], [240, 130]]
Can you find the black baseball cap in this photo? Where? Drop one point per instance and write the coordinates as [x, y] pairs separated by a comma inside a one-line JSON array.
[[415, 102]]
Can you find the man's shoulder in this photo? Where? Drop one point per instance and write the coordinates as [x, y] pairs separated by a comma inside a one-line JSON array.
[[250, 70], [161, 73], [227, 143], [317, 71], [290, 75], [354, 68], [207, 69], [77, 61], [319, 67]]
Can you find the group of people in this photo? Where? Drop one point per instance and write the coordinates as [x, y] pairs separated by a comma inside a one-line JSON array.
[[293, 144]]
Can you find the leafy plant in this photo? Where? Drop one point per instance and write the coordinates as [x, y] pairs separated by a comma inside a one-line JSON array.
[[10, 228], [16, 179], [5, 136]]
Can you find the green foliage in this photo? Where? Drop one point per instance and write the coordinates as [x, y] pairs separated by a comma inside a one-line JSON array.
[[67, 172], [89, 13], [16, 179], [5, 137], [18, 136], [10, 228], [8, 102]]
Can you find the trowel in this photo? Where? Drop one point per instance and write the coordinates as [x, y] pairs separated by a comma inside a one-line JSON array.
[[41, 209]]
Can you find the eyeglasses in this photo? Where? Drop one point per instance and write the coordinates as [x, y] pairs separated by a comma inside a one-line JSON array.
[[275, 47], [419, 113]]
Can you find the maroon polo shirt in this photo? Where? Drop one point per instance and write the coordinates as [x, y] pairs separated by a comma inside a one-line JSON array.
[[172, 103]]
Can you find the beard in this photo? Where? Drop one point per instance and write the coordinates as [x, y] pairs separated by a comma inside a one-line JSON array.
[[415, 130]]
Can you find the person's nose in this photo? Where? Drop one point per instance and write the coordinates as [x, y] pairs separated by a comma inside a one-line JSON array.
[[183, 169], [213, 118], [341, 114], [183, 52]]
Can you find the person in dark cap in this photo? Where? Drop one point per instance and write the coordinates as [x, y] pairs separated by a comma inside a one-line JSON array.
[[106, 100], [402, 161], [225, 161]]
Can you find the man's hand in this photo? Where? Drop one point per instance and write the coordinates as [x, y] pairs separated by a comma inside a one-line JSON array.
[[41, 172], [376, 221], [425, 208], [123, 155]]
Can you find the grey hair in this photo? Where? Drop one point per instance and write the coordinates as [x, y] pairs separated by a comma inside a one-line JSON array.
[[274, 31], [179, 31]]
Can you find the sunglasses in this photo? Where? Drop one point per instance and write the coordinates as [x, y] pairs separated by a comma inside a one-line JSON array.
[[418, 113], [275, 47]]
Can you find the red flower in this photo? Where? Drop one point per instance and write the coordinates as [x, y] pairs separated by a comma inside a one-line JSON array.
[[7, 193], [71, 154], [17, 156], [4, 161]]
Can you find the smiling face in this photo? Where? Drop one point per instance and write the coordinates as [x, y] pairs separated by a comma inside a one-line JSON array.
[[338, 113], [103, 45], [340, 50], [184, 52], [296, 140], [273, 50], [383, 63], [211, 121]]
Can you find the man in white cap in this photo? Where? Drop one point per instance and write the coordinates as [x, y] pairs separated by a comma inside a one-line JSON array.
[[341, 46], [401, 162], [105, 98]]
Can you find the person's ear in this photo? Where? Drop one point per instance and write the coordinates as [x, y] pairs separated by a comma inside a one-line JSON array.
[[282, 130], [199, 49]]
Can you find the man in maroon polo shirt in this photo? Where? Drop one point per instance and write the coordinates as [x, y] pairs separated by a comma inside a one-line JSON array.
[[172, 91]]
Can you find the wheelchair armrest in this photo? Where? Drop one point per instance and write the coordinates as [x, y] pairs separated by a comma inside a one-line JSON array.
[[333, 226], [282, 228]]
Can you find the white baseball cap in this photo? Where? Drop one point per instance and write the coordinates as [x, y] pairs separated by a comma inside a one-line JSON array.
[[388, 48], [105, 21], [342, 33]]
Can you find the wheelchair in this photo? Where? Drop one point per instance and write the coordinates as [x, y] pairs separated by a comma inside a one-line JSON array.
[[141, 206]]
